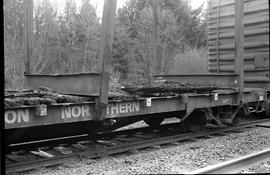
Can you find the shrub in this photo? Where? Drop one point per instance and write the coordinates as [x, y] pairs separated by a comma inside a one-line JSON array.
[[191, 61]]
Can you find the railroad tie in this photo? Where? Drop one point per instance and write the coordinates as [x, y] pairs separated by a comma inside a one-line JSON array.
[[42, 154], [80, 146], [106, 143], [63, 150]]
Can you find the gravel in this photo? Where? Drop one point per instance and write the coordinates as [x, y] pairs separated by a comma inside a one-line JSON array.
[[187, 156], [261, 168]]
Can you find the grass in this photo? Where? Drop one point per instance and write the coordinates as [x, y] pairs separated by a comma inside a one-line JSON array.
[[192, 61], [114, 83]]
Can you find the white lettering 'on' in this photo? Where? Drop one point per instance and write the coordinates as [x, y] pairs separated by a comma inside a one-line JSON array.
[[23, 115], [17, 116], [10, 117]]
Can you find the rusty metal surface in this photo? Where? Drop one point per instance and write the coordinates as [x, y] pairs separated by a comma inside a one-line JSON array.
[[82, 84], [27, 116], [218, 80], [221, 53]]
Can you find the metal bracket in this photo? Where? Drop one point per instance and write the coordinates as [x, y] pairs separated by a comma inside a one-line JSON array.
[[148, 102], [41, 110], [188, 112], [258, 105], [210, 117], [234, 114], [246, 108], [100, 110], [185, 100], [188, 109], [214, 96]]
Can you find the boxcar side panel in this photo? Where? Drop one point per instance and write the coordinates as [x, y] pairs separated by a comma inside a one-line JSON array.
[[221, 44]]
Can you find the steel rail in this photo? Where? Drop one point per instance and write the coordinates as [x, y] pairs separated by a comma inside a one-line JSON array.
[[94, 153], [236, 165]]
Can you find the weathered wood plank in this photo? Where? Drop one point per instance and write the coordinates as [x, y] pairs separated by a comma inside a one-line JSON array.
[[167, 88], [157, 56], [105, 54], [40, 96], [28, 34], [239, 45]]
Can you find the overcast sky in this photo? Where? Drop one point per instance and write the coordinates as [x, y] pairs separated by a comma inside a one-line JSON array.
[[99, 3]]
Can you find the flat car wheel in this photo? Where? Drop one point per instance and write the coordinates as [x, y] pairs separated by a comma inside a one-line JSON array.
[[267, 110], [195, 122]]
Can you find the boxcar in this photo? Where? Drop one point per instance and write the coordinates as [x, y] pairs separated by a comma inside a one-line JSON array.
[[221, 40]]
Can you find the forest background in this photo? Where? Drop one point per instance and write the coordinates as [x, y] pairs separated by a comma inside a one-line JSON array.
[[67, 42]]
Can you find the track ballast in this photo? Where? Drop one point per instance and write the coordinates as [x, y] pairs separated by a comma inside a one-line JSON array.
[[106, 144]]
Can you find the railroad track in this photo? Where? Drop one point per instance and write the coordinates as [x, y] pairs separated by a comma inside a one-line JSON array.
[[107, 144], [236, 165], [78, 138]]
